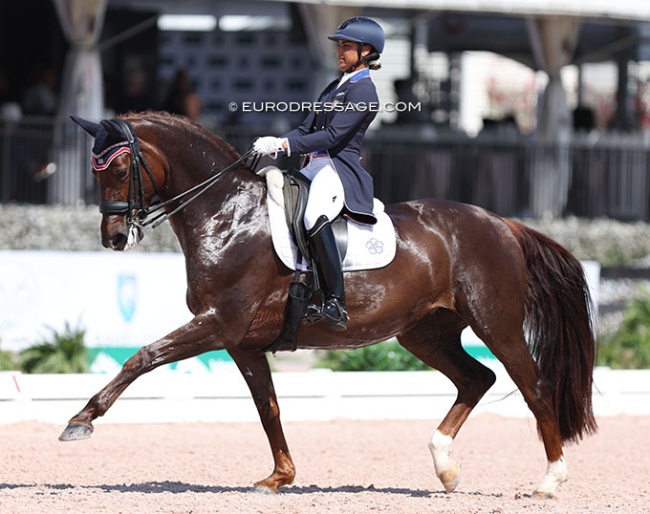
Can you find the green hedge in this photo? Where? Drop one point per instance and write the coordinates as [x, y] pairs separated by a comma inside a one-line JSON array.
[[629, 346], [66, 352], [386, 356], [7, 361]]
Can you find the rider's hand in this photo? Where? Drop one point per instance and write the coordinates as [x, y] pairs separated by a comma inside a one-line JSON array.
[[268, 145]]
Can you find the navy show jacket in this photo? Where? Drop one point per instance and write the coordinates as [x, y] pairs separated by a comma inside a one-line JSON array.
[[339, 127]]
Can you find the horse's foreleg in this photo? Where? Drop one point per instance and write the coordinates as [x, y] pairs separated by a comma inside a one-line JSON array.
[[193, 338], [255, 369], [472, 380]]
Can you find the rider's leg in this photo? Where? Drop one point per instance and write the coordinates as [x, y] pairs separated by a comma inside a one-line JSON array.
[[326, 200], [326, 193], [325, 253]]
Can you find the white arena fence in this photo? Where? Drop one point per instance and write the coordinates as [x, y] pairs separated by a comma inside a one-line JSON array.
[[127, 306], [171, 397], [122, 301]]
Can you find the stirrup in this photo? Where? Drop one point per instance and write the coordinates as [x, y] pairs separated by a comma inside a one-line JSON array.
[[336, 320]]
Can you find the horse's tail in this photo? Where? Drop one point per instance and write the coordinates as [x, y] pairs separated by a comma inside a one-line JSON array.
[[559, 328]]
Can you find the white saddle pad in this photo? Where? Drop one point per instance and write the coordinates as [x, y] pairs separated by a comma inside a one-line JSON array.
[[369, 246]]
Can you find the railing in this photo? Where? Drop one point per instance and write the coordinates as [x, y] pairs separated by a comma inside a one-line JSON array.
[[522, 178], [590, 177], [24, 150], [29, 147]]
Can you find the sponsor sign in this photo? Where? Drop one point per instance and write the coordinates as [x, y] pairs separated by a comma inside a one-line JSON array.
[[121, 300]]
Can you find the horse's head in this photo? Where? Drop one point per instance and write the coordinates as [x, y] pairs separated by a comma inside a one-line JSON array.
[[126, 192]]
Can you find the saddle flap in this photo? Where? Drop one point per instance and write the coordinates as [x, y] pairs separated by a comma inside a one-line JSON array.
[[296, 193], [340, 229]]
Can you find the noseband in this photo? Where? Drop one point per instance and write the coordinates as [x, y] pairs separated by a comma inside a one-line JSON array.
[[134, 207]]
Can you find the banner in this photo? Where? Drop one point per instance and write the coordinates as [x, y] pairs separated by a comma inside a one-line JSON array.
[[122, 301]]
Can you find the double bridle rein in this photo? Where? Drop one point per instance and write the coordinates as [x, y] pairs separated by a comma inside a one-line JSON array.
[[134, 207]]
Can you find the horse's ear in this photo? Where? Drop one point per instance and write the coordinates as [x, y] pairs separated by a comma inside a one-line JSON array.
[[89, 126], [113, 128]]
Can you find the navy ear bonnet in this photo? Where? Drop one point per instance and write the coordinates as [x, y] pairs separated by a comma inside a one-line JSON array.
[[110, 140]]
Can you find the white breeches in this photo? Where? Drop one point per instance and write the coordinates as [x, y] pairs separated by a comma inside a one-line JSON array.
[[326, 194]]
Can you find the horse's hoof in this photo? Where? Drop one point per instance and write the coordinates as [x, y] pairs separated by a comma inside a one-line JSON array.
[[450, 478], [543, 495], [76, 432], [450, 487], [264, 489]]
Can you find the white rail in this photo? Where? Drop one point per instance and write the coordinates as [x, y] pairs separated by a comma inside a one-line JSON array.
[[169, 397]]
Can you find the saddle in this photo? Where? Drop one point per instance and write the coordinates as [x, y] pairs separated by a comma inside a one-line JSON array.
[[295, 190]]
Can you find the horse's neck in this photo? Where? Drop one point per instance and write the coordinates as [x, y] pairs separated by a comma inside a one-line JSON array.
[[220, 211]]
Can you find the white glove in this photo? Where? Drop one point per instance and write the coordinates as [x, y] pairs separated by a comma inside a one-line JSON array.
[[268, 145]]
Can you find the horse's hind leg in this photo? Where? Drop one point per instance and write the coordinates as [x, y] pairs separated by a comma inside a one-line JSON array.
[[538, 395], [254, 367], [445, 353]]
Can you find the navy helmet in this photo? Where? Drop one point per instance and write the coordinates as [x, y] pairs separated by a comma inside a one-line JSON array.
[[361, 30]]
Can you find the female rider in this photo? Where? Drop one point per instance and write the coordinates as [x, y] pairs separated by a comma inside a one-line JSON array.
[[331, 137]]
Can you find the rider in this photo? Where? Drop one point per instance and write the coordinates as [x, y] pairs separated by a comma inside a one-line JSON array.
[[331, 136]]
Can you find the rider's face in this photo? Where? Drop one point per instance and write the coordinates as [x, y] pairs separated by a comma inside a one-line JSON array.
[[347, 54]]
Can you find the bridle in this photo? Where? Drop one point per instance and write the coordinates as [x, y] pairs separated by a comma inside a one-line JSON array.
[[141, 215], [135, 197]]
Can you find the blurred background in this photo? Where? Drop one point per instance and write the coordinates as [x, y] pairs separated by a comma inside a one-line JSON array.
[[528, 108], [533, 109]]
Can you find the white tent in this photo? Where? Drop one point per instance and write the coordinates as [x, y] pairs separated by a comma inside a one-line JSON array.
[[552, 26], [82, 92]]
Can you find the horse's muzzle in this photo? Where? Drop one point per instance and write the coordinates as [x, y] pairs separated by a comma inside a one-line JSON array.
[[116, 241], [118, 234], [121, 241]]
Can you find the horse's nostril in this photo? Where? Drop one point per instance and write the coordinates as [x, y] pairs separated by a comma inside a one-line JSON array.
[[118, 241]]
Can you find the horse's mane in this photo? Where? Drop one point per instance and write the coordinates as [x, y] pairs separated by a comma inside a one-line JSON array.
[[181, 123]]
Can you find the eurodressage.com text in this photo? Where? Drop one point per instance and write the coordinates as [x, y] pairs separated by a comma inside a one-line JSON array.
[[325, 106]]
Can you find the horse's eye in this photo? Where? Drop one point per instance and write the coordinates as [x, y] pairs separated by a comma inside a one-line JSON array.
[[121, 173]]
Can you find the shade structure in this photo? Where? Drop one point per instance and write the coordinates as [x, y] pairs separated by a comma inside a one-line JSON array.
[[82, 94]]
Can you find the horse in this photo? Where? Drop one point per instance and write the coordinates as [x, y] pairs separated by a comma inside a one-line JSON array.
[[455, 266]]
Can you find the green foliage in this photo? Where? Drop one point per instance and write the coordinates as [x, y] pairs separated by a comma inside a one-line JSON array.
[[629, 346], [386, 356], [7, 361], [67, 353]]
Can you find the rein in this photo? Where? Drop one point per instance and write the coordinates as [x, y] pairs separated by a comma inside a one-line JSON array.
[[143, 213]]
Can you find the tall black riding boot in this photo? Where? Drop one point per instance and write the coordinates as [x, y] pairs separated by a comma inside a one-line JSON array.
[[325, 253]]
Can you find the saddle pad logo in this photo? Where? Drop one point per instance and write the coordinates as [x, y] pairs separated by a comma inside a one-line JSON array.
[[375, 246], [127, 295]]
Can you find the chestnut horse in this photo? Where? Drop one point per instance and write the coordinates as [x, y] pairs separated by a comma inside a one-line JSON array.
[[456, 266]]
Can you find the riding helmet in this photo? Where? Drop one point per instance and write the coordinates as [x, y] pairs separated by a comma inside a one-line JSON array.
[[361, 30]]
